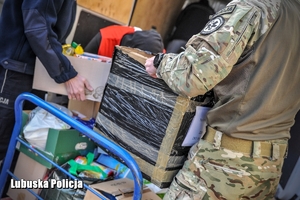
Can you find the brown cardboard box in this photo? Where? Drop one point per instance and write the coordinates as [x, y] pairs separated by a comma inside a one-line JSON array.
[[94, 71], [121, 189], [27, 169], [88, 108], [145, 117]]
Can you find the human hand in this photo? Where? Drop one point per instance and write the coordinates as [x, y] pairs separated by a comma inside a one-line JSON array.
[[76, 88], [150, 69]]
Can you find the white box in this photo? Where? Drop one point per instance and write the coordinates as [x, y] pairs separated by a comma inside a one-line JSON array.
[[94, 71]]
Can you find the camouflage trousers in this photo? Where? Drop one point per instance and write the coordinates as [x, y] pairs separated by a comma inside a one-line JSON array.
[[219, 173]]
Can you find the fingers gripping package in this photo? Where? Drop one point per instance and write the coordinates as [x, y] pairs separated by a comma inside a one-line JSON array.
[[145, 117]]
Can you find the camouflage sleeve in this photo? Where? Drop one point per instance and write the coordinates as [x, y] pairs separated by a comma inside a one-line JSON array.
[[211, 54]]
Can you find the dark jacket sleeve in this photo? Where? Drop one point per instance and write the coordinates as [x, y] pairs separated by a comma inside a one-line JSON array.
[[45, 31]]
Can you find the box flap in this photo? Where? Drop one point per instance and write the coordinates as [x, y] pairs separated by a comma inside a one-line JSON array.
[[121, 189], [115, 187], [137, 54], [147, 195]]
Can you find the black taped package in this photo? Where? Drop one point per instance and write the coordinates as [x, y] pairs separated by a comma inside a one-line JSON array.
[[145, 117]]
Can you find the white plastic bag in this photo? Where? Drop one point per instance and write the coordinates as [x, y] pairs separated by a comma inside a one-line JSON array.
[[40, 120]]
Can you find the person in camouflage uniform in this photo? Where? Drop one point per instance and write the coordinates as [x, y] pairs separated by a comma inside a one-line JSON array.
[[247, 54]]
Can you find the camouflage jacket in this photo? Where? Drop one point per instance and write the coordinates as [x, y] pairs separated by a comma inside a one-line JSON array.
[[248, 54]]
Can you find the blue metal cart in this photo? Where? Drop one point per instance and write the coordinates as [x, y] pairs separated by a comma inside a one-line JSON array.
[[100, 140]]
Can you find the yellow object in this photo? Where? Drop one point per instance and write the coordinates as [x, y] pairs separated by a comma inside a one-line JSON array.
[[71, 49], [65, 47], [79, 49]]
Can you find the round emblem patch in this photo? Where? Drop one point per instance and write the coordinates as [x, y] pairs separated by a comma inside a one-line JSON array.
[[213, 25]]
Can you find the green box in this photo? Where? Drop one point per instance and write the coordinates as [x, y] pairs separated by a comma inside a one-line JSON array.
[[61, 146]]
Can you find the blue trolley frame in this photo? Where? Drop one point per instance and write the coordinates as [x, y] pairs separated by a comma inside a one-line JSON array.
[[100, 140]]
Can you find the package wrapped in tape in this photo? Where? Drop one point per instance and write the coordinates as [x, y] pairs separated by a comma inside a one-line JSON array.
[[145, 117]]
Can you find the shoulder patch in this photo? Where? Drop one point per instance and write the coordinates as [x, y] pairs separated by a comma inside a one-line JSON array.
[[213, 25], [226, 10]]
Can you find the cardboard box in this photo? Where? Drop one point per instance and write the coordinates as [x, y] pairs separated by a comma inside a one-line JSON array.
[[145, 117], [95, 72], [61, 146], [27, 169], [121, 189], [87, 108]]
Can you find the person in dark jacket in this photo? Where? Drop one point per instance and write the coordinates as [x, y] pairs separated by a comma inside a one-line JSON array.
[[107, 38], [30, 29]]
